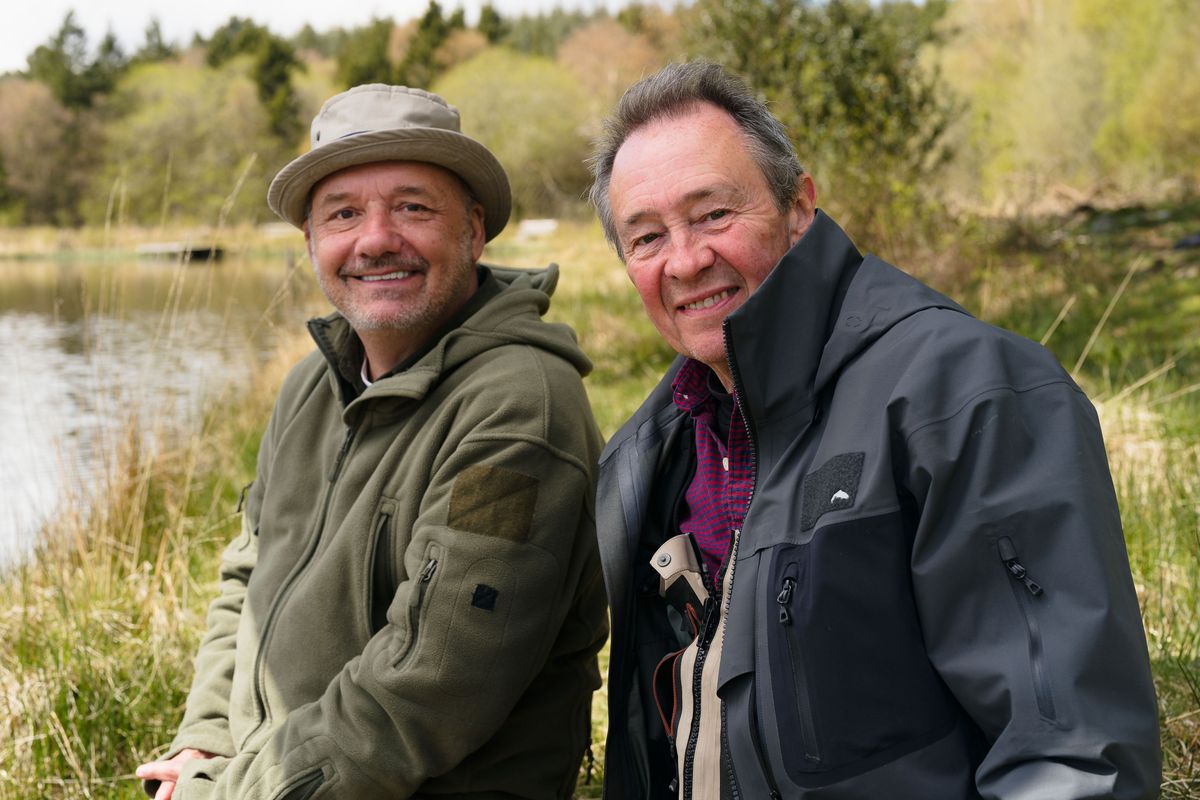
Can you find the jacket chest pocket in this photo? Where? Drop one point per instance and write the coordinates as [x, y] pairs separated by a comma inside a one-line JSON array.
[[381, 580], [850, 684]]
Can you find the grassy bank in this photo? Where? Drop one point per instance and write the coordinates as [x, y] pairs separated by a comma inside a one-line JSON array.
[[97, 631]]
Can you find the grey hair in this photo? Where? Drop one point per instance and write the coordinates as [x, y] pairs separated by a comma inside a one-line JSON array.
[[675, 90]]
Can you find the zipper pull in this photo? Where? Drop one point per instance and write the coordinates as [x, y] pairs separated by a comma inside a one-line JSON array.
[[673, 786], [708, 625], [341, 456], [1008, 554], [785, 599], [428, 570]]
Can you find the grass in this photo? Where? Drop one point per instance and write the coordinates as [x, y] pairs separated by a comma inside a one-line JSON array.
[[97, 630]]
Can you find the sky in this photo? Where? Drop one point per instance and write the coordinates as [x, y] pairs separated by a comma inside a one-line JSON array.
[[22, 31]]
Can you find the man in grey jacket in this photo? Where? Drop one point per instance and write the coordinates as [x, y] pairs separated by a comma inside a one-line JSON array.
[[857, 543]]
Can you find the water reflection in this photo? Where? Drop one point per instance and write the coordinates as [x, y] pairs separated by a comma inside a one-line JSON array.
[[86, 347]]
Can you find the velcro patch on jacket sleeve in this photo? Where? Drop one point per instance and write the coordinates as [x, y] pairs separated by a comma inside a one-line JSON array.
[[831, 487], [493, 501], [485, 597]]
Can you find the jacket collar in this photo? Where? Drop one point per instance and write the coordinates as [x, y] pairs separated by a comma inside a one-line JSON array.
[[774, 341], [821, 306], [506, 310]]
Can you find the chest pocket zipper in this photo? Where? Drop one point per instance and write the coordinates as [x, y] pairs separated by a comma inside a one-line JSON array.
[[808, 732], [1027, 591]]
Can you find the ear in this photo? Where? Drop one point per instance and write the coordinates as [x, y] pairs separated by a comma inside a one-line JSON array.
[[309, 241], [804, 207], [478, 235]]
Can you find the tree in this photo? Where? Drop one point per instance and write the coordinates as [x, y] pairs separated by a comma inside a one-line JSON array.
[[532, 115], [274, 63], [606, 58], [154, 47], [363, 56], [236, 37], [325, 43], [1074, 98], [419, 66], [461, 45], [543, 34], [274, 60], [491, 24], [848, 80], [44, 178], [62, 64], [182, 137]]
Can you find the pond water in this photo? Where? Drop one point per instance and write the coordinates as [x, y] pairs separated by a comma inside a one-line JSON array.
[[86, 347]]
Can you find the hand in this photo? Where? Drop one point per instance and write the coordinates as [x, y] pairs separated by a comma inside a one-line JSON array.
[[166, 773]]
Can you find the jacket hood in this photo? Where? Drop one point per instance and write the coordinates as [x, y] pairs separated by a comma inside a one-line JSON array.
[[512, 316], [822, 305]]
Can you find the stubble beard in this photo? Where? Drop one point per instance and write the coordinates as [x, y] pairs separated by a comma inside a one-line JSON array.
[[427, 308]]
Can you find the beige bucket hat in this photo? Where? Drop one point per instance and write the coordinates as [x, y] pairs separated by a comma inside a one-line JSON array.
[[377, 122]]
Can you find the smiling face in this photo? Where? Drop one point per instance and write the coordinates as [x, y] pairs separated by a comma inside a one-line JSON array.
[[394, 246], [698, 227]]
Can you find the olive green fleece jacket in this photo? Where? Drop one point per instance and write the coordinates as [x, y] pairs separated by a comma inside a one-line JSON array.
[[414, 605]]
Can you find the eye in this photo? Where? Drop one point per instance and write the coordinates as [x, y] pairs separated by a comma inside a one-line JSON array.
[[639, 242], [343, 213], [717, 214], [414, 208]]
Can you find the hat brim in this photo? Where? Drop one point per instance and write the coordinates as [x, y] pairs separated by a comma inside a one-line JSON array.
[[460, 154]]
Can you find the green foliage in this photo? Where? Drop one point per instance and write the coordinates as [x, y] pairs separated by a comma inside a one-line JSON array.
[[47, 150], [274, 61], [542, 34], [847, 79], [236, 37], [419, 66], [1075, 97], [325, 43], [491, 24], [531, 114], [154, 47], [63, 65], [188, 142], [363, 55], [1153, 117]]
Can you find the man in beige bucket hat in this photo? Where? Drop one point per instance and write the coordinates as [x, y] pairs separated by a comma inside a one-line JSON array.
[[414, 605]]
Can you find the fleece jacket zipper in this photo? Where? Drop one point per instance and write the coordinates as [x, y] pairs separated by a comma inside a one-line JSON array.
[[281, 596]]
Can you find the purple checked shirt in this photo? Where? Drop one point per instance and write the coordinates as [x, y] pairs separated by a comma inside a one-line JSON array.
[[720, 489]]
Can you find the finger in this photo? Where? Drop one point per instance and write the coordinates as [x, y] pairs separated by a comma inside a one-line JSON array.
[[161, 770], [164, 790]]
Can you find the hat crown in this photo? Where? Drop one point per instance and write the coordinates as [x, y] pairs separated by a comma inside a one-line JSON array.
[[380, 107]]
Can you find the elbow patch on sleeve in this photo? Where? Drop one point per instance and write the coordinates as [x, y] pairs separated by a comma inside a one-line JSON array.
[[493, 501]]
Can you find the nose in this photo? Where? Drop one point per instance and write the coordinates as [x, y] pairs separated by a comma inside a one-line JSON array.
[[378, 235], [688, 255]]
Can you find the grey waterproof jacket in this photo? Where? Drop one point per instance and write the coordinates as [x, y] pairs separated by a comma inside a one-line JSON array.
[[929, 598]]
